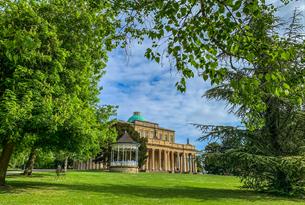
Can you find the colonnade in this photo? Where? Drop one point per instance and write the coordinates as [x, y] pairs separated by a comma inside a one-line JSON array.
[[170, 161], [88, 165]]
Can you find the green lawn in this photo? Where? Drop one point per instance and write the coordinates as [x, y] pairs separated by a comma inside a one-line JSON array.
[[143, 188]]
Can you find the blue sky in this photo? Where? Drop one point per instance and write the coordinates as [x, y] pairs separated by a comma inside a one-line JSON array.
[[136, 84]]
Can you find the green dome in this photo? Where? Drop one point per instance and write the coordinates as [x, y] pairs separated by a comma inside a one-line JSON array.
[[136, 116]]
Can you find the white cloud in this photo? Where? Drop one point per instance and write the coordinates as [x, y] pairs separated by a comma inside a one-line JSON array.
[[141, 85]]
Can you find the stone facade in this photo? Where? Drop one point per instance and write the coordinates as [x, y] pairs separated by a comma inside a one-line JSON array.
[[164, 155]]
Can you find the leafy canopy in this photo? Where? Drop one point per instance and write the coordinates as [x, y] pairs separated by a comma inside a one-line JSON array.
[[221, 41]]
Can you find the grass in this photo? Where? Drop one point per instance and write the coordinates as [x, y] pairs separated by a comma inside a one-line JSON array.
[[143, 188]]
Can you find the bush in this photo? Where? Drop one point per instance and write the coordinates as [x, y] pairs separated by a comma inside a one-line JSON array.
[[282, 175]]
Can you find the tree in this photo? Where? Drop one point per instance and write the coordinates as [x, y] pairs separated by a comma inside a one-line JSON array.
[[29, 166], [222, 41], [52, 55], [213, 163], [214, 155], [269, 157]]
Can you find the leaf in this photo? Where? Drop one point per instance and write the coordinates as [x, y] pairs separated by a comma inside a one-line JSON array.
[[237, 5], [285, 55]]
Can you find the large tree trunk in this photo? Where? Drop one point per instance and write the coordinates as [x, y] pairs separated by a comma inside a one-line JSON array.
[[272, 125], [30, 163], [4, 160]]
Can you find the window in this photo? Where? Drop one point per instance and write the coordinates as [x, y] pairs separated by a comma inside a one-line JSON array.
[[139, 131]]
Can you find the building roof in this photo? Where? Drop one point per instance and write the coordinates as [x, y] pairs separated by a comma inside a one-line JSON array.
[[126, 139], [136, 116]]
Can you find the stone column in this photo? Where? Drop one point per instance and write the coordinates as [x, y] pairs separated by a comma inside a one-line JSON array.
[[147, 161], [165, 160], [191, 163], [178, 162], [168, 159], [195, 164], [173, 161], [187, 163], [153, 160], [160, 162], [184, 162]]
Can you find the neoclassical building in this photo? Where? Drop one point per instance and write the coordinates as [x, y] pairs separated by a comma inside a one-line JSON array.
[[164, 155]]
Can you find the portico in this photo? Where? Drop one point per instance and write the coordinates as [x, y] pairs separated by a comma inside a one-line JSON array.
[[170, 157]]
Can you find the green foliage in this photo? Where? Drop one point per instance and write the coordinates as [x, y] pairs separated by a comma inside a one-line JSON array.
[[268, 159], [214, 155], [45, 160], [46, 84], [269, 151], [232, 41], [52, 55], [213, 159], [273, 174]]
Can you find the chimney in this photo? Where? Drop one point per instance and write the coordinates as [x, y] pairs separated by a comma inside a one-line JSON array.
[[136, 113], [187, 141]]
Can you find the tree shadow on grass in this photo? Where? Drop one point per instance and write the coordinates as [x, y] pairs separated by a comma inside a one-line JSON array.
[[153, 192], [36, 175]]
